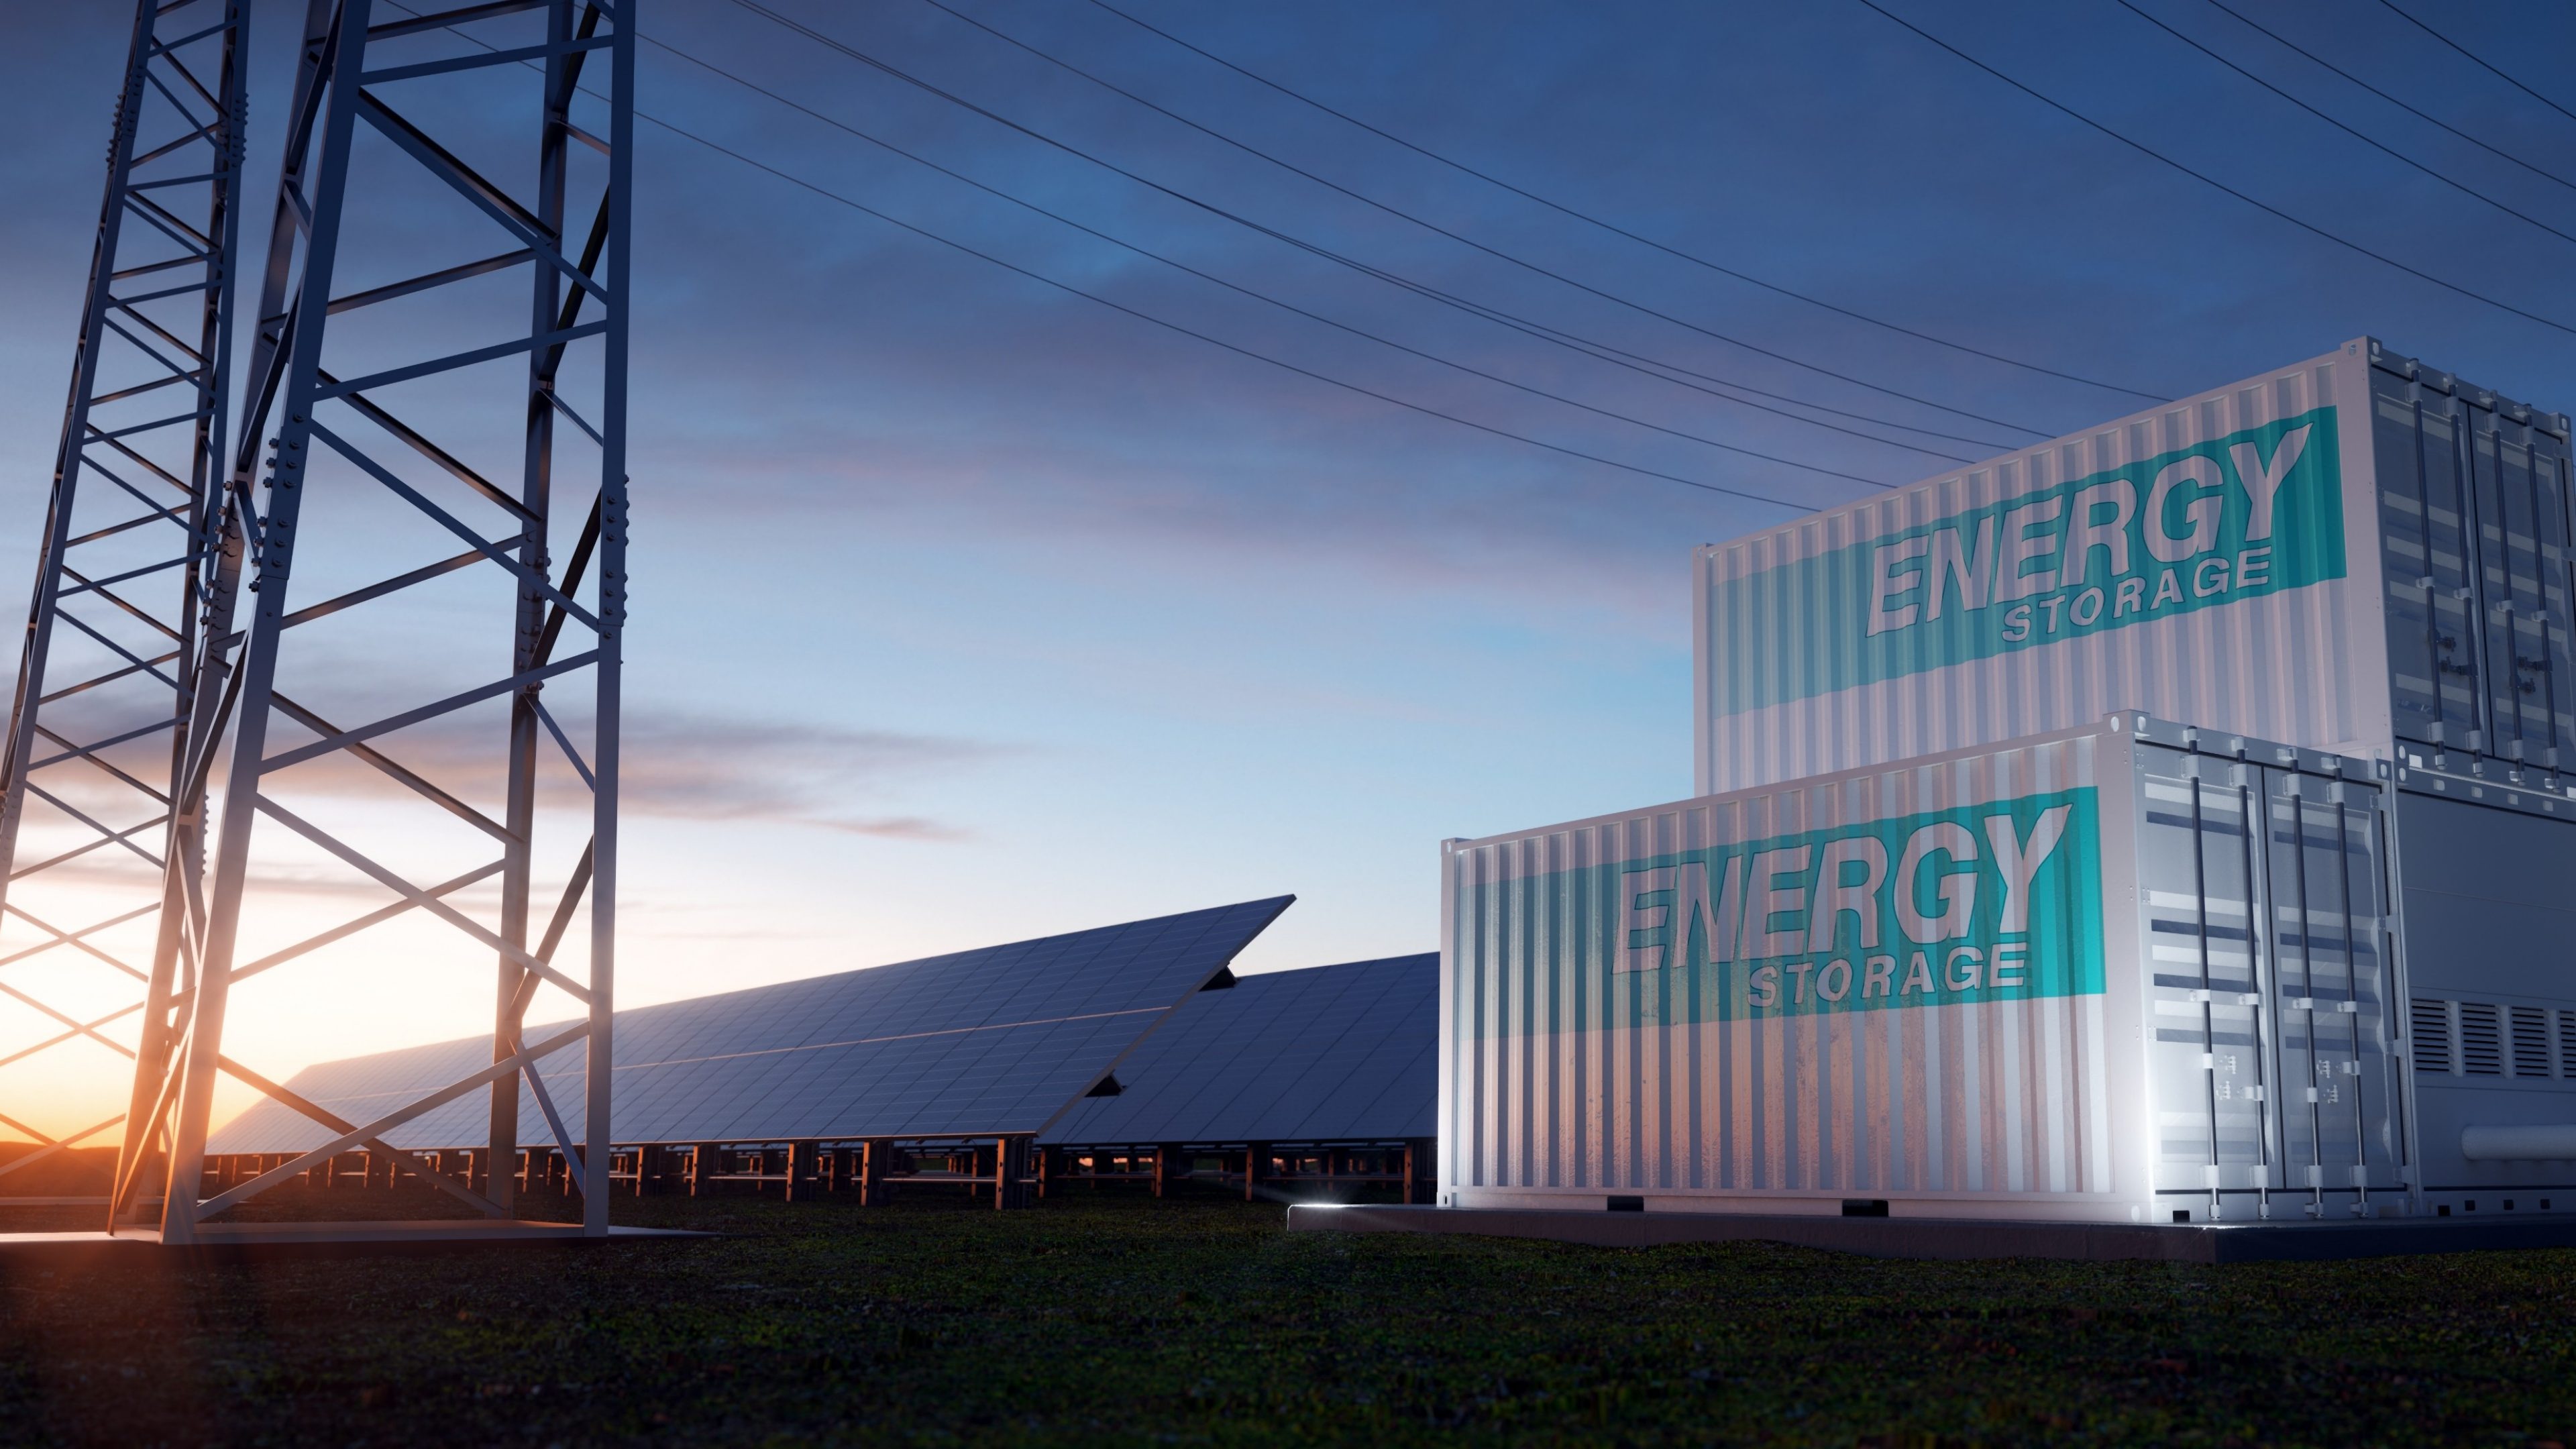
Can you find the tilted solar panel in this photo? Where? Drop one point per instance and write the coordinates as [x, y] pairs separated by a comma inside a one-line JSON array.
[[984, 1042], [1327, 1054]]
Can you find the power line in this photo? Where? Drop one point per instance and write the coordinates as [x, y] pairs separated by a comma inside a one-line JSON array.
[[1604, 352], [1504, 319], [1613, 227], [1661, 371], [2497, 152], [1657, 368], [2461, 187], [1256, 356], [1261, 296], [2482, 65], [1143, 316], [863, 57], [1644, 366], [2202, 177]]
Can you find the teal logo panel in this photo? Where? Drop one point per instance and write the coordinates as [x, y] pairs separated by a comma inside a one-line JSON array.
[[2000, 901], [2254, 513]]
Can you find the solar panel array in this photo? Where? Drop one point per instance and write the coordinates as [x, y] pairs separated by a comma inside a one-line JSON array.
[[1328, 1054], [983, 1042]]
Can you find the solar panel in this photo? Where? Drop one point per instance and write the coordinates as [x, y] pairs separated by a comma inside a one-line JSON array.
[[1327, 1054], [984, 1043]]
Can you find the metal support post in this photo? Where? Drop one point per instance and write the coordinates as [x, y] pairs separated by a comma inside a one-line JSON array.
[[367, 388], [875, 1165], [1256, 1166], [1417, 1171], [1167, 1170], [1011, 1172]]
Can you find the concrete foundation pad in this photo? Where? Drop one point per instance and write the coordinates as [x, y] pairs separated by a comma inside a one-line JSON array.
[[1897, 1237], [236, 1241]]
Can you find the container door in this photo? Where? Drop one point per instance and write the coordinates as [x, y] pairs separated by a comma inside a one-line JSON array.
[[2427, 555], [2340, 1127], [2518, 489], [2264, 894], [2208, 1058]]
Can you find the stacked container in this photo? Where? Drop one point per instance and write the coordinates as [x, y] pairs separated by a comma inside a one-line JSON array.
[[2341, 555], [2061, 978], [1935, 938]]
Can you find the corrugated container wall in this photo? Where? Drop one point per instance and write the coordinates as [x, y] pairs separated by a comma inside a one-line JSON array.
[[2110, 974], [2339, 555]]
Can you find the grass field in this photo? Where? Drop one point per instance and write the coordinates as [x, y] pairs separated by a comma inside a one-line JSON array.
[[1118, 1320]]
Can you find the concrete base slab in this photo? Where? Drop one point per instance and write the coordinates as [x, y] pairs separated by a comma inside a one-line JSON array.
[[310, 1240], [1963, 1237]]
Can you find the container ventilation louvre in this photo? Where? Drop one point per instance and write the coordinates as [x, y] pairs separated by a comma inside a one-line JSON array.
[[2530, 1041], [2432, 1031], [2481, 1040]]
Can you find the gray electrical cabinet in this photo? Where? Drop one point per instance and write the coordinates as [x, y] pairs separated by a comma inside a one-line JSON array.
[[2487, 910]]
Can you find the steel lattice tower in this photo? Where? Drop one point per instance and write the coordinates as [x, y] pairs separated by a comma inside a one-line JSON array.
[[110, 663], [441, 356]]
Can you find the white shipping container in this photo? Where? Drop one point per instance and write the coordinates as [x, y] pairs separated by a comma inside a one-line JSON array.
[[2125, 973], [2344, 555]]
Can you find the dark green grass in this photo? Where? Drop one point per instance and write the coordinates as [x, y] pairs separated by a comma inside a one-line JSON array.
[[1119, 1320]]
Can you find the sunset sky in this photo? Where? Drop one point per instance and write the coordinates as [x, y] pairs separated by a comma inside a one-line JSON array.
[[969, 609]]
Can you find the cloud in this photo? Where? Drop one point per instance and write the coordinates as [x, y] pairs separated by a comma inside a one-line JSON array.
[[713, 768], [899, 827], [674, 764]]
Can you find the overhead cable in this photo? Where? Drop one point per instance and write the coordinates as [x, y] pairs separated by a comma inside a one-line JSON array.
[[1257, 356], [1261, 296], [2479, 63], [1613, 227], [1638, 363], [2431, 120], [819, 37], [2151, 153], [2462, 187], [1649, 366]]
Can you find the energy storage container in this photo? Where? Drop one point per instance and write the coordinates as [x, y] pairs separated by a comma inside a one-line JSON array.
[[2129, 972], [2342, 555]]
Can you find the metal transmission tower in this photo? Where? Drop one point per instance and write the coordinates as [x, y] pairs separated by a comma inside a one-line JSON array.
[[442, 356], [109, 664]]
